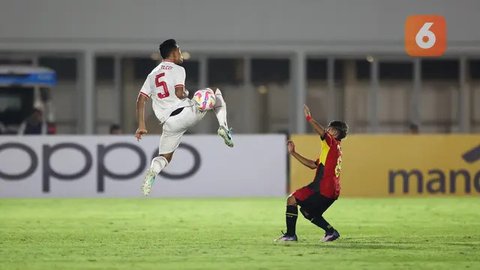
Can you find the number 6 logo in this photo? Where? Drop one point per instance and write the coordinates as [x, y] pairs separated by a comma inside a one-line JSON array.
[[425, 35]]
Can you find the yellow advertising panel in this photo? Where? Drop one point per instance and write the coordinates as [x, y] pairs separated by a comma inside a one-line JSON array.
[[398, 165]]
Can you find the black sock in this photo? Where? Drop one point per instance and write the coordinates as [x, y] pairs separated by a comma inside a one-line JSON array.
[[322, 223], [291, 219]]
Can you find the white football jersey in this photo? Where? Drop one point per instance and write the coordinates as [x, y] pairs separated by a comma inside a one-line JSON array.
[[160, 87]]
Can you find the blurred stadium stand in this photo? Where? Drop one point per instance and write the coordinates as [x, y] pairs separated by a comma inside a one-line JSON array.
[[344, 58]]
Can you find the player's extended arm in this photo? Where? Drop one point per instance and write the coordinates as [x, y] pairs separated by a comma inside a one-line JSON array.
[[181, 92], [305, 161], [315, 125], [142, 128]]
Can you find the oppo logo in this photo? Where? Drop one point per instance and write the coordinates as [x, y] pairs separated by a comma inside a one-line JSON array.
[[49, 171]]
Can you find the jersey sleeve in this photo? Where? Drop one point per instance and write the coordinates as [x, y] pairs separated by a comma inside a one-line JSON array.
[[180, 75], [328, 139], [146, 89]]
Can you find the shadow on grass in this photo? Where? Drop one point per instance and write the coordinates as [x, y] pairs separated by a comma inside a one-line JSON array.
[[373, 243]]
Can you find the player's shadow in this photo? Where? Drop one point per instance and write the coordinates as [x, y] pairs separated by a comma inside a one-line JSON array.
[[356, 246], [375, 243]]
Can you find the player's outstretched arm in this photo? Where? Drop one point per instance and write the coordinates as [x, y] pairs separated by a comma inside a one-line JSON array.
[[305, 161], [142, 128], [315, 125]]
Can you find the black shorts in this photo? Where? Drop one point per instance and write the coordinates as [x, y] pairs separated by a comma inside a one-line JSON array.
[[312, 202], [177, 111]]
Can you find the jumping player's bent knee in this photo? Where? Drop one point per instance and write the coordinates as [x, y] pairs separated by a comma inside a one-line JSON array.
[[167, 156], [291, 200]]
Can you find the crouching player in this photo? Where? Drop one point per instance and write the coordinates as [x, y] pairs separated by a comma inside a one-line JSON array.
[[315, 198]]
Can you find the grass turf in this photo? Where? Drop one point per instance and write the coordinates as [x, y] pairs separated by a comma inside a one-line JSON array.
[[236, 234]]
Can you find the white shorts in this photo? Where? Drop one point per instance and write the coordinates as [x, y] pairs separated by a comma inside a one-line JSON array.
[[175, 126]]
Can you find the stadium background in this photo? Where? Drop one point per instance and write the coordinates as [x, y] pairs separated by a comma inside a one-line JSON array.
[[345, 59]]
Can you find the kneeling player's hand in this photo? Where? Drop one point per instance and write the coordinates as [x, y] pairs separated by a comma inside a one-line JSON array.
[[291, 147], [306, 111], [140, 132]]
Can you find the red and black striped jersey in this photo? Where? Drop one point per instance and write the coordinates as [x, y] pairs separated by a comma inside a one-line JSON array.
[[327, 177]]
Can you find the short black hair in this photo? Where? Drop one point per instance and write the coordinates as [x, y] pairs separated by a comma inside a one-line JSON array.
[[37, 110], [167, 47], [342, 128]]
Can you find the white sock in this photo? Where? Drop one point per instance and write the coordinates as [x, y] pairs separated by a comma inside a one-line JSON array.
[[158, 164], [221, 109]]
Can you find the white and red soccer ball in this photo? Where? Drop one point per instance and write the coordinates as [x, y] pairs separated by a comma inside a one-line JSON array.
[[204, 99]]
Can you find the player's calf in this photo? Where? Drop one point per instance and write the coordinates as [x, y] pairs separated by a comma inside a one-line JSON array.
[[305, 213], [221, 112], [330, 233], [291, 215], [157, 165]]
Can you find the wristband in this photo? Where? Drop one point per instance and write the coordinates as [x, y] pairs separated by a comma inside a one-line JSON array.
[[308, 117]]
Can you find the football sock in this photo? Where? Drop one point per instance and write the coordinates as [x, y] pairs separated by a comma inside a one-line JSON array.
[[322, 223], [158, 163], [291, 219], [220, 109]]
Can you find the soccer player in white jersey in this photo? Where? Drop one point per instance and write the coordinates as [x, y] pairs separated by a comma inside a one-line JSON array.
[[165, 85]]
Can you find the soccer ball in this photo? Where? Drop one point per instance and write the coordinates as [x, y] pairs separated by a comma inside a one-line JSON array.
[[204, 99]]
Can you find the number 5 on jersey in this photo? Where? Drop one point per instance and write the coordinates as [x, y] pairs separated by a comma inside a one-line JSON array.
[[159, 83], [425, 35]]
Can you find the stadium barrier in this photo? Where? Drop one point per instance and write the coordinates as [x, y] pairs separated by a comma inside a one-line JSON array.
[[398, 165], [114, 166]]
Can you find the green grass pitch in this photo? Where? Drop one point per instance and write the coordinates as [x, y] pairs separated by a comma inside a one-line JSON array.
[[236, 234]]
